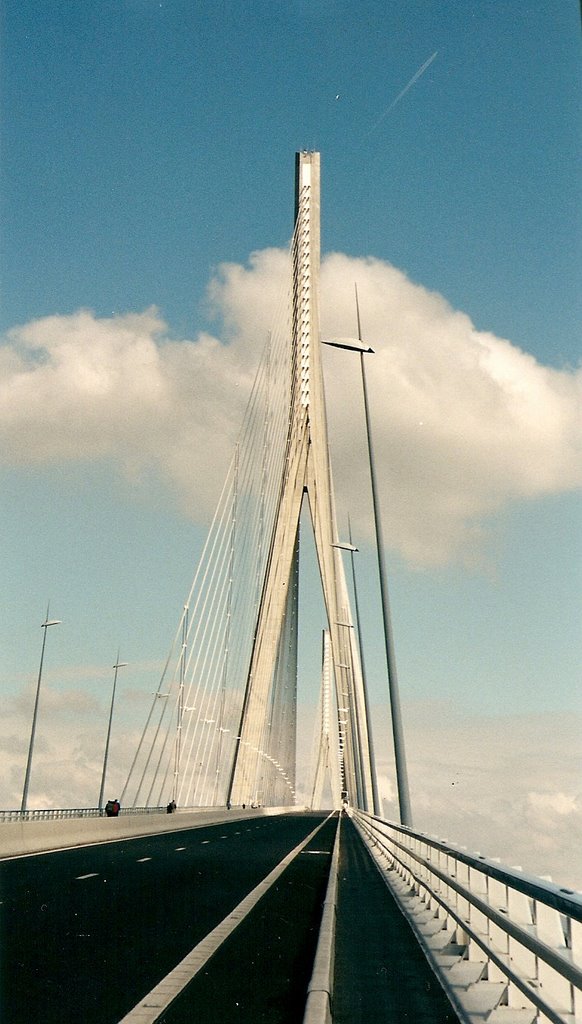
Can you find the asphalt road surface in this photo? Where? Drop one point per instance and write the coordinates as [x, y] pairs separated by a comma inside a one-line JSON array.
[[86, 933], [260, 974]]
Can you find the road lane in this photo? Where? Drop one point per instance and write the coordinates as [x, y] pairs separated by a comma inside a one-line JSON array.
[[86, 932], [260, 973]]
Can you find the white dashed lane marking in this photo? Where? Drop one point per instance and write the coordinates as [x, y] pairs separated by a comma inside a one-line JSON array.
[[92, 874], [178, 848], [141, 860], [204, 841]]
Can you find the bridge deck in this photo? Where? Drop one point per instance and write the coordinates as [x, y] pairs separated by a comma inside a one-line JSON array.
[[87, 933], [261, 973]]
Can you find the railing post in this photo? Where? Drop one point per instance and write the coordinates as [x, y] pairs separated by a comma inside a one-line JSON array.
[[549, 929], [520, 911], [575, 945], [477, 920]]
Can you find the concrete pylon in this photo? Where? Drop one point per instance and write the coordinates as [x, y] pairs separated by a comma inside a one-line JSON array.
[[307, 473], [329, 746]]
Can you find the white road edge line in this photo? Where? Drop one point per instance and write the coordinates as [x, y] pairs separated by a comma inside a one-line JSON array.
[[150, 1008]]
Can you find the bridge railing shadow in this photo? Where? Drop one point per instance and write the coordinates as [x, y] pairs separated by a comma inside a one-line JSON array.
[[516, 937]]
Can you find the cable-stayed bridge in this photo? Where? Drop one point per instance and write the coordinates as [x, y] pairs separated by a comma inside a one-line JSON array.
[[222, 726], [219, 912]]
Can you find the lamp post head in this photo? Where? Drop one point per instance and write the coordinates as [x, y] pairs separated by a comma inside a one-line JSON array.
[[351, 344], [51, 622], [120, 664]]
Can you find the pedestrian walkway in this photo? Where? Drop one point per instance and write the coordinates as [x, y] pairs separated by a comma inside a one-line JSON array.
[[380, 970]]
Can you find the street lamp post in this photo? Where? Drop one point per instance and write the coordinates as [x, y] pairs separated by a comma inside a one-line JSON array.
[[48, 622], [375, 795], [396, 713], [118, 664]]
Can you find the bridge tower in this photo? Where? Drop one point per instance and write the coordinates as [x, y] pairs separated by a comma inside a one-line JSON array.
[[306, 476], [328, 739]]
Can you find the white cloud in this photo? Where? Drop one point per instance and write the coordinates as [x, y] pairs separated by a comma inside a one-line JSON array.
[[68, 702], [506, 787], [464, 423], [386, 790], [545, 807], [81, 388], [68, 749]]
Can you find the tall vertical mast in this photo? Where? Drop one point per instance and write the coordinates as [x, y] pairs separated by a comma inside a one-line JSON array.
[[306, 471]]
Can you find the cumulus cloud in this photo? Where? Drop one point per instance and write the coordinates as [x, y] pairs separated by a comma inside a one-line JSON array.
[[118, 389], [464, 422]]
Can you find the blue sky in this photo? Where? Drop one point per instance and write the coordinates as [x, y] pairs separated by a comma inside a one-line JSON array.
[[123, 119], [147, 142]]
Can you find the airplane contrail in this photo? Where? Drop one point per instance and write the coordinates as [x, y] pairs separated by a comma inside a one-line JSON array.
[[408, 86]]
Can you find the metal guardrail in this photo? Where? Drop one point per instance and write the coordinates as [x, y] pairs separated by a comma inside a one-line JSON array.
[[73, 812], [501, 942], [318, 1007]]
